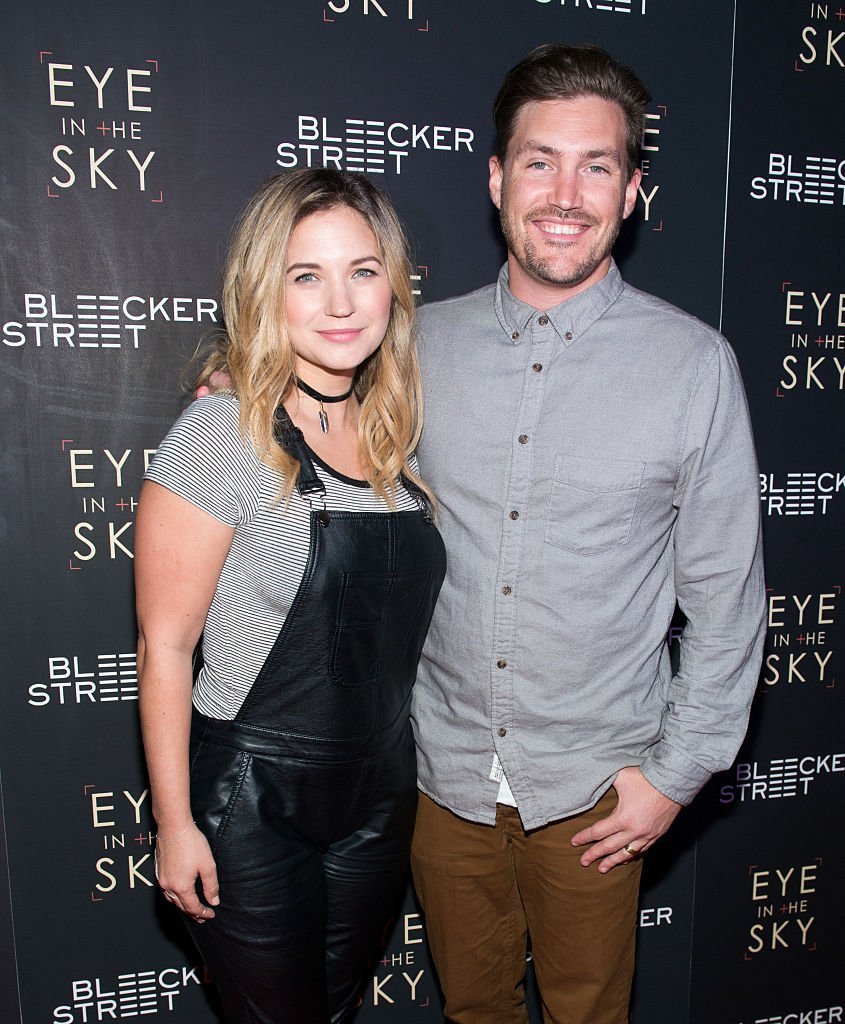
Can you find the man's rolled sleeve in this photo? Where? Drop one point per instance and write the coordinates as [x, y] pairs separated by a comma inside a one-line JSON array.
[[719, 585]]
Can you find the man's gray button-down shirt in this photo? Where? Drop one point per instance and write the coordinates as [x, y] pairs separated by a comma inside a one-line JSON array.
[[594, 464]]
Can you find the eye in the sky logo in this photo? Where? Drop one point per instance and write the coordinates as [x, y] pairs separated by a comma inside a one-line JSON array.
[[802, 637], [115, 478], [648, 189], [369, 145], [785, 901], [102, 126], [123, 832], [397, 10], [815, 320], [823, 40]]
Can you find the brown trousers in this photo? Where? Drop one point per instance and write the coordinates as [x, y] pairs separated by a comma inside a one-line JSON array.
[[485, 889]]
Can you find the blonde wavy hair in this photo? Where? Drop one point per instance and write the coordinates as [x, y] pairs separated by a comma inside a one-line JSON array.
[[256, 349]]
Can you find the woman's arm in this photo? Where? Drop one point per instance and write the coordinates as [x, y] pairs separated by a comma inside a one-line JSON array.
[[179, 554]]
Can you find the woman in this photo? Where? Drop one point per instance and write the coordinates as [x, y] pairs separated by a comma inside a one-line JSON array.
[[284, 521]]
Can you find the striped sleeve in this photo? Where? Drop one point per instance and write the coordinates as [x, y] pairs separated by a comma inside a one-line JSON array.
[[206, 460]]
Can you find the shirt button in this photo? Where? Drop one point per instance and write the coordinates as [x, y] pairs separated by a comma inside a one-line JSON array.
[[515, 335], [506, 590], [502, 731], [501, 663], [523, 438], [568, 335], [543, 320], [514, 514], [536, 367]]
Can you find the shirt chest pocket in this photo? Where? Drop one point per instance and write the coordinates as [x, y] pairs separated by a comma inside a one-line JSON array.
[[592, 503]]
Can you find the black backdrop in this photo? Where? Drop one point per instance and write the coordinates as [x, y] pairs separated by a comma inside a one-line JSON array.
[[131, 134]]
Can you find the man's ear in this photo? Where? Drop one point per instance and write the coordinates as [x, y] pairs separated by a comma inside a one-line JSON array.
[[496, 172], [631, 192]]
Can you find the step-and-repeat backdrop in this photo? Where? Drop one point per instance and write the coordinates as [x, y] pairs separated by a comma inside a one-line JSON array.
[[131, 135]]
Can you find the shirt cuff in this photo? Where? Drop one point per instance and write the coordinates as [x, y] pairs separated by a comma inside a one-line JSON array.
[[674, 774]]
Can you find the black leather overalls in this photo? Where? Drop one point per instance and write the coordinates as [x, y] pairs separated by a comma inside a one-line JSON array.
[[308, 797]]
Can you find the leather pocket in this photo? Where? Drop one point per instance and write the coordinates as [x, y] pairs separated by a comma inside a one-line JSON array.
[[592, 503], [376, 611], [217, 776]]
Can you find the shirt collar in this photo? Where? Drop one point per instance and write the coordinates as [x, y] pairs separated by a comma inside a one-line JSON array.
[[570, 319]]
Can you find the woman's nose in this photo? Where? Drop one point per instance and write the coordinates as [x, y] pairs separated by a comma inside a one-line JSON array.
[[340, 301]]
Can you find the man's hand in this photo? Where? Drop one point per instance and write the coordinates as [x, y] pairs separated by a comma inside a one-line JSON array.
[[218, 381], [641, 817]]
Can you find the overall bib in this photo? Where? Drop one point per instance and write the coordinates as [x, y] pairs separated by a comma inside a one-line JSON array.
[[308, 796]]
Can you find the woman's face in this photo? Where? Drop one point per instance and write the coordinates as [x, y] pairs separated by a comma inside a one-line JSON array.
[[337, 297]]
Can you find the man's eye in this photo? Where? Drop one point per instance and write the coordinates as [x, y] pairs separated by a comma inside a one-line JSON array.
[[538, 165], [598, 169]]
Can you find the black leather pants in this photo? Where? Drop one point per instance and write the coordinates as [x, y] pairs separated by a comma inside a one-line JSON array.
[[311, 857]]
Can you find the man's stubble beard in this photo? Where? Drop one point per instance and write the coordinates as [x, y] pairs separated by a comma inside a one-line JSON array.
[[542, 268]]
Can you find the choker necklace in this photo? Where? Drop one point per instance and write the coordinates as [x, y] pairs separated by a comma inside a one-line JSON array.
[[313, 393]]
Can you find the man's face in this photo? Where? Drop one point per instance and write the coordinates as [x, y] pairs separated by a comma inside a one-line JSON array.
[[562, 195]]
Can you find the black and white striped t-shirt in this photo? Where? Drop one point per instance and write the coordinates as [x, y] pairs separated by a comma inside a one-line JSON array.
[[206, 460]]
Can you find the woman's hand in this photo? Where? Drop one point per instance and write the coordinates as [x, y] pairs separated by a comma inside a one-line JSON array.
[[179, 553], [182, 858]]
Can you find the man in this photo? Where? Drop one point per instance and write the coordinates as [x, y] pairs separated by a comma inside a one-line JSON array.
[[591, 450]]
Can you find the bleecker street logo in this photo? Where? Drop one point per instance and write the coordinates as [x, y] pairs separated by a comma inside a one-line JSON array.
[[102, 121], [800, 493], [92, 320], [106, 679], [369, 145], [655, 917], [780, 778], [611, 6], [134, 994], [818, 1015], [817, 179]]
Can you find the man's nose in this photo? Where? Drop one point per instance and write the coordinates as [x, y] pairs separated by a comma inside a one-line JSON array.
[[565, 190]]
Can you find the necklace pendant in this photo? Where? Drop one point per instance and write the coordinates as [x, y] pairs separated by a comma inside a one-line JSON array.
[[324, 420]]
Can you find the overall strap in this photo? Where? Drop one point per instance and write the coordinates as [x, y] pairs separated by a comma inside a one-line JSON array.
[[292, 440]]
